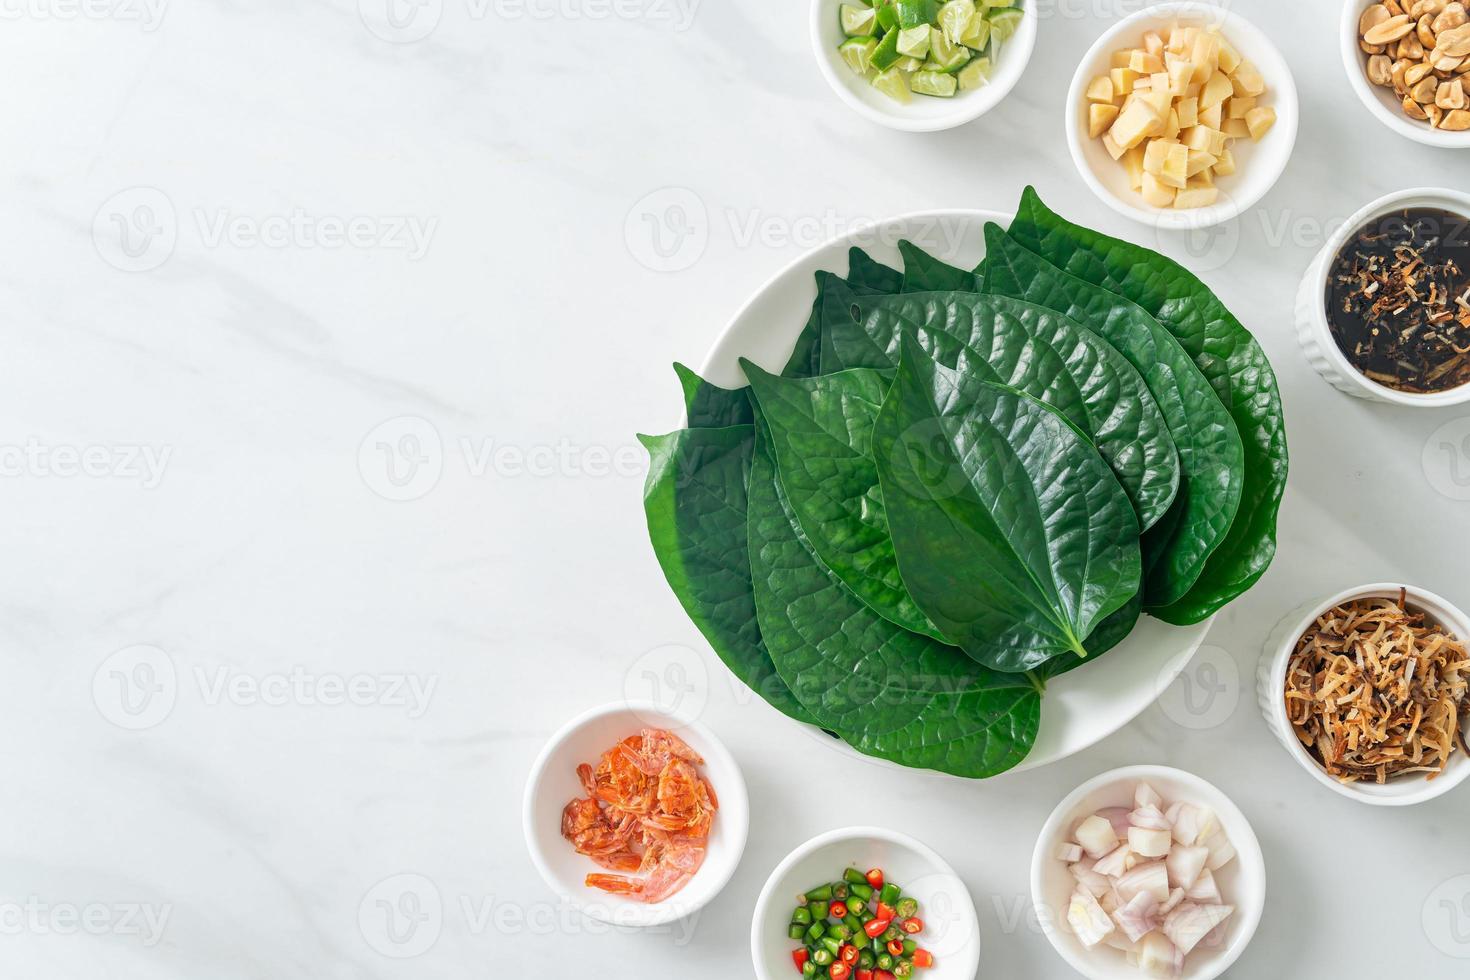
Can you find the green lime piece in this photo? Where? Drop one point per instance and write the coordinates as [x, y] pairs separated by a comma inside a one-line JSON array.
[[955, 17], [1003, 22], [909, 64], [914, 41], [858, 53], [999, 4], [937, 83], [916, 13], [975, 74], [886, 53], [945, 53], [977, 34], [887, 14], [858, 21], [894, 84]]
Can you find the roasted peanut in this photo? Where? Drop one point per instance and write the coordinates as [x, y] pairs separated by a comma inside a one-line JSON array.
[[1414, 109], [1451, 17], [1425, 31], [1456, 120], [1380, 70], [1390, 30]]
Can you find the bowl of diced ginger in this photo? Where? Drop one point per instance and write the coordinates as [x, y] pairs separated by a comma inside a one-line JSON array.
[[1182, 115]]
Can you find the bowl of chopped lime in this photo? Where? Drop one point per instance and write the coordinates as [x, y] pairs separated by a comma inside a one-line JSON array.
[[923, 65]]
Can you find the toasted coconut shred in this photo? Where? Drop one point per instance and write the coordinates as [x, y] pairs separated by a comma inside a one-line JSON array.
[[1374, 692]]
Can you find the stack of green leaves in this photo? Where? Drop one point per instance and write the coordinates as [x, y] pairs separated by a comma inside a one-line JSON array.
[[965, 482]]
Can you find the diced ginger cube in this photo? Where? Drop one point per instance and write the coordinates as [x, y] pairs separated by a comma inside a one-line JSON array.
[[1133, 163], [1211, 117], [1196, 197], [1100, 116], [1236, 129], [1196, 137], [1100, 89], [1111, 145], [1120, 59], [1159, 100], [1171, 126], [1188, 110], [1202, 179], [1154, 155], [1217, 89], [1122, 79], [1176, 163], [1180, 72], [1259, 120], [1247, 80], [1155, 193], [1153, 43], [1145, 63], [1137, 120], [1160, 81], [1199, 162], [1225, 164], [1143, 83], [1205, 55], [1239, 106], [1229, 57]]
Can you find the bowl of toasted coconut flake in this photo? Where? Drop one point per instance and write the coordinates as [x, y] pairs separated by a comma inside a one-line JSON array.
[[1370, 691]]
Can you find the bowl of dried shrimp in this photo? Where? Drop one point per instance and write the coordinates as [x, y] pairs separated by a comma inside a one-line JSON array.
[[634, 816], [1370, 691]]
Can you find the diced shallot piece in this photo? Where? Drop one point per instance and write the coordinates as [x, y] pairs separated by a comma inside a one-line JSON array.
[[1096, 835], [1204, 890], [1149, 817], [1088, 920], [1145, 795], [1136, 918], [1117, 940], [1149, 843], [1118, 817], [1114, 864], [1089, 880], [1189, 923], [1151, 878], [1193, 824], [1172, 813], [1159, 958], [1222, 852], [1069, 852], [1175, 897], [1185, 864]]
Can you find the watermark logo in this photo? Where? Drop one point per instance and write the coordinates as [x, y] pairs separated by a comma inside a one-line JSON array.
[[136, 687], [134, 920], [401, 459], [1446, 917], [673, 678], [949, 915], [1205, 694], [135, 230], [400, 21], [668, 230], [1446, 459], [33, 458], [401, 916], [1205, 248], [147, 14]]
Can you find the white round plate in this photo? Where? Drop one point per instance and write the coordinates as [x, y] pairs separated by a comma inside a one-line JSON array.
[[1081, 707]]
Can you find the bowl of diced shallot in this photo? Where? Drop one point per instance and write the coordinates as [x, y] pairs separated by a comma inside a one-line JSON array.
[[1148, 871]]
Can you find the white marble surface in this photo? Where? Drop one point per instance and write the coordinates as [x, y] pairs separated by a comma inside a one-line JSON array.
[[214, 749]]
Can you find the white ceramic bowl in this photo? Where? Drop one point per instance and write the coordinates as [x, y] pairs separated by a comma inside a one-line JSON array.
[[1258, 165], [1271, 695], [553, 784], [1379, 100], [922, 113], [1242, 882], [1082, 706], [951, 931], [1315, 336]]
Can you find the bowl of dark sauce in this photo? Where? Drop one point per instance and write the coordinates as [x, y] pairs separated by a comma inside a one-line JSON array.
[[1384, 311]]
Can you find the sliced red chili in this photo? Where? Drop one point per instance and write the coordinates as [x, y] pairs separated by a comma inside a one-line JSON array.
[[886, 911], [839, 971], [800, 956], [883, 975], [876, 927], [895, 946], [924, 958], [912, 926], [838, 910], [875, 878], [862, 974]]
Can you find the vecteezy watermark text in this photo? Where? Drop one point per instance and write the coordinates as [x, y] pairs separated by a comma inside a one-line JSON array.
[[34, 458], [34, 917]]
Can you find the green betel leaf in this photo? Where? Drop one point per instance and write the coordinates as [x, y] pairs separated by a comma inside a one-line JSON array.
[[1109, 633], [865, 277], [708, 406], [1042, 354], [923, 273], [821, 432], [1210, 455], [887, 692], [1224, 350], [1012, 535], [695, 501]]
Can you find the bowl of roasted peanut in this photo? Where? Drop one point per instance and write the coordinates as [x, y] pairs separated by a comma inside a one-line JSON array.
[[1409, 62]]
